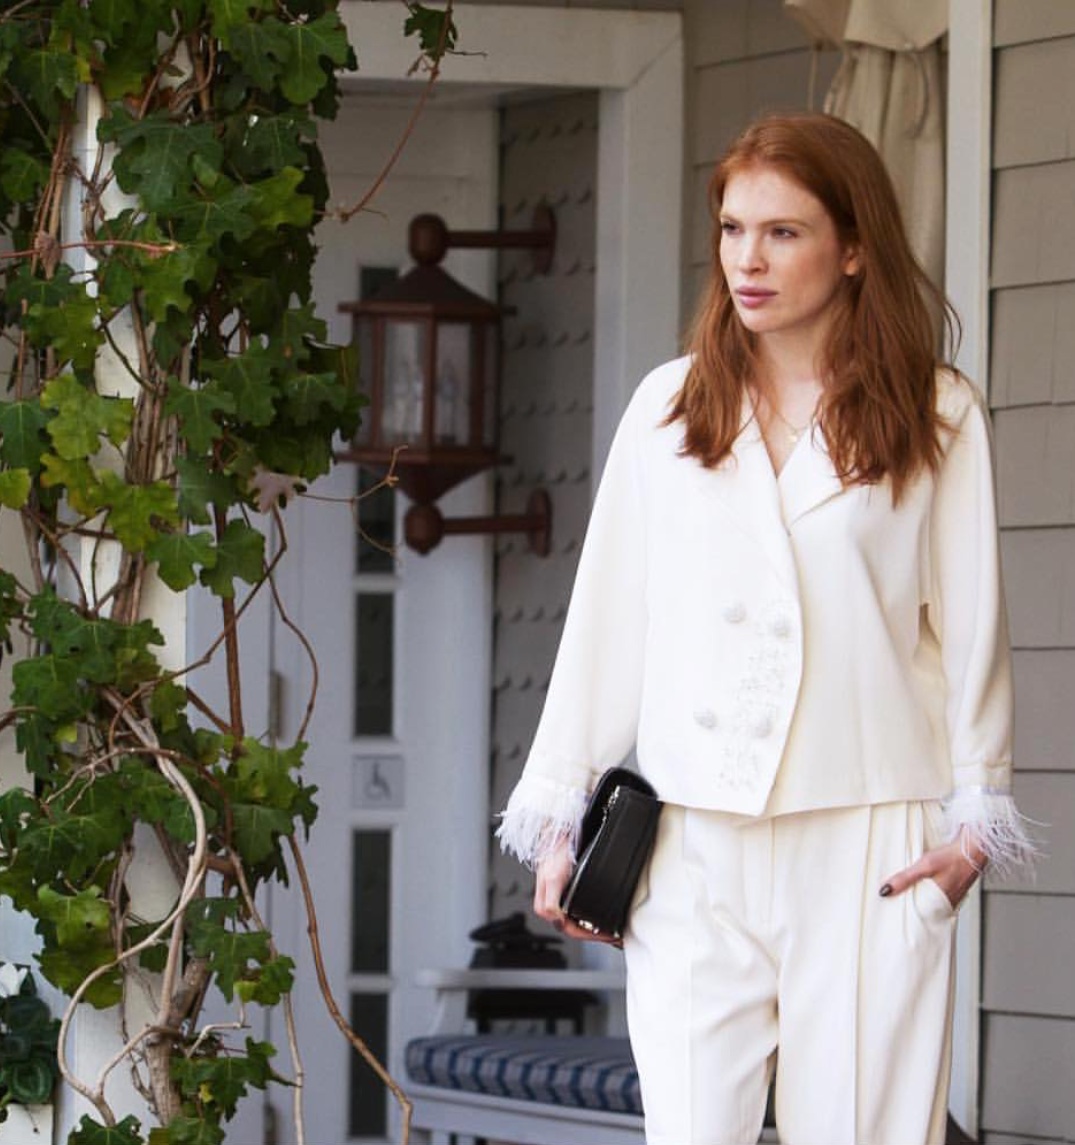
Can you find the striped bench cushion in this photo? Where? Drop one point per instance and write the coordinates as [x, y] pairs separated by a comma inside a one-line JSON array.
[[582, 1073]]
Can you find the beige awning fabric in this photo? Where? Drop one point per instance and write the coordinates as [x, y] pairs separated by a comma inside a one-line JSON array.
[[890, 86]]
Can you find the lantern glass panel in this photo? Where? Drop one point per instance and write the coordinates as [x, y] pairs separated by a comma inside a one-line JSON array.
[[491, 361], [453, 384], [365, 328], [404, 381]]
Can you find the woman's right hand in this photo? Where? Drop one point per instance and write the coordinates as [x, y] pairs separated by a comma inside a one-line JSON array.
[[553, 874]]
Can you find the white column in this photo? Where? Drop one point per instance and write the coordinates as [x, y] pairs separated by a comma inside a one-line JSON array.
[[96, 1034], [967, 223]]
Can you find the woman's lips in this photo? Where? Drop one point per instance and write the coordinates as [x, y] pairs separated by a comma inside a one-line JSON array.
[[752, 296]]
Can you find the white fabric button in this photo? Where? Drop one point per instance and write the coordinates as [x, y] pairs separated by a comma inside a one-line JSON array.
[[780, 626], [735, 613], [705, 718], [761, 725]]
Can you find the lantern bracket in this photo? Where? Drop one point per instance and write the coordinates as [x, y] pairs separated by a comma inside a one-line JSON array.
[[424, 526]]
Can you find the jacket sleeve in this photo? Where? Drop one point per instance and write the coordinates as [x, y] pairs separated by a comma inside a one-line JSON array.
[[967, 612], [590, 717]]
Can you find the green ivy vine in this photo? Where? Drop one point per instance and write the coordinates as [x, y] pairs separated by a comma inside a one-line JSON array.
[[168, 386]]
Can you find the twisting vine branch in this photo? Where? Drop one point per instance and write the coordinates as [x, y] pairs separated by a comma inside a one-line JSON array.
[[175, 383]]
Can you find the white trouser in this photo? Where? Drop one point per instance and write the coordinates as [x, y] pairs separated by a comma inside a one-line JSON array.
[[748, 935]]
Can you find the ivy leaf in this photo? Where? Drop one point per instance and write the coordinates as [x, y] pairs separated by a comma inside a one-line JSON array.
[[153, 157], [248, 378], [74, 332], [229, 14], [50, 844], [233, 954], [136, 512], [21, 173], [274, 141], [112, 19], [82, 416], [307, 452], [50, 76], [127, 61], [14, 488], [200, 486], [165, 280], [240, 553], [167, 705], [307, 395], [223, 1080], [300, 330], [17, 805], [213, 216], [81, 920], [36, 737], [91, 1132], [196, 408], [310, 43], [263, 774], [274, 202], [260, 49], [22, 425], [193, 1131], [60, 314], [178, 553], [257, 831], [49, 684], [274, 980], [435, 29], [79, 480]]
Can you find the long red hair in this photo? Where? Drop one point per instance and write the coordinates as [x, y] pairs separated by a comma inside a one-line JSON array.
[[878, 366]]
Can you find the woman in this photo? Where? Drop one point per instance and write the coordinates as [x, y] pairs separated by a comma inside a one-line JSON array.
[[789, 603]]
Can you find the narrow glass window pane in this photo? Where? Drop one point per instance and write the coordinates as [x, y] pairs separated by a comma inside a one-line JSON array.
[[365, 329], [376, 524], [404, 381], [373, 664], [368, 1115], [371, 859], [452, 410]]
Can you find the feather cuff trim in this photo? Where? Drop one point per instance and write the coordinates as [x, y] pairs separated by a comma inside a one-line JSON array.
[[996, 826], [539, 815]]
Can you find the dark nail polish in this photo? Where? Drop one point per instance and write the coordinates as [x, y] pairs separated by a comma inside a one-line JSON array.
[[886, 890]]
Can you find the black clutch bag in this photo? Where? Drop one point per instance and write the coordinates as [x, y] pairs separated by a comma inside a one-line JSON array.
[[617, 834]]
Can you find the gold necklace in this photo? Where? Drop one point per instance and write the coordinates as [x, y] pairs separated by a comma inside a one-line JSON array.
[[794, 431]]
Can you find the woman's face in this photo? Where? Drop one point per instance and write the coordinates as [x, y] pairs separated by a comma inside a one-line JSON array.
[[782, 258]]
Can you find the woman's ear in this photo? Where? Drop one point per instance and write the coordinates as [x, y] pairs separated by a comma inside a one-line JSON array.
[[852, 260]]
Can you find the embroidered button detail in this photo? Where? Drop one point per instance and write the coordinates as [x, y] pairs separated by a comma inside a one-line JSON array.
[[705, 718], [735, 613]]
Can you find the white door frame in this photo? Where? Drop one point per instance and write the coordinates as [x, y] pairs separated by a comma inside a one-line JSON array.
[[635, 61]]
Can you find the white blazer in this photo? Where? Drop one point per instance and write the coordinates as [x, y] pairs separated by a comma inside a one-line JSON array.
[[776, 644]]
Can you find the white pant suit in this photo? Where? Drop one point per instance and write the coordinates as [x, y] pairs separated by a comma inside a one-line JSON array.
[[817, 681], [749, 933]]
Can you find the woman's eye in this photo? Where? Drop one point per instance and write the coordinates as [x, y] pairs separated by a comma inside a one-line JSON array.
[[784, 232], [728, 228]]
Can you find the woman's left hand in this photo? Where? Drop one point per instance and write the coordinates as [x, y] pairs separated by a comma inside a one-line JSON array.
[[954, 867]]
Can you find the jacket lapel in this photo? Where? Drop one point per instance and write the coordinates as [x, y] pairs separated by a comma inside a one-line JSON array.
[[766, 507], [746, 485], [808, 478]]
